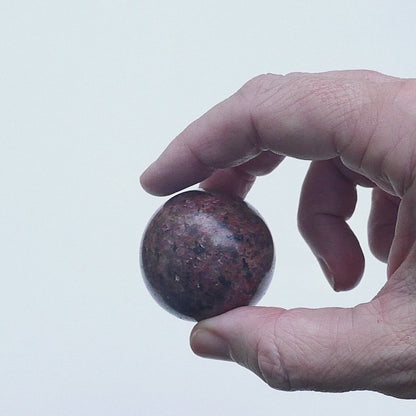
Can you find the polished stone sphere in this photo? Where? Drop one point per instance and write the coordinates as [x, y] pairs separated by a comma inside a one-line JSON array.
[[203, 254]]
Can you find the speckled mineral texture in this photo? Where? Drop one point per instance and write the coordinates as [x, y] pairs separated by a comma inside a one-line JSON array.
[[203, 254]]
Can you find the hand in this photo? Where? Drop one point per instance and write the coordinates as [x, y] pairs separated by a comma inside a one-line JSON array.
[[357, 128]]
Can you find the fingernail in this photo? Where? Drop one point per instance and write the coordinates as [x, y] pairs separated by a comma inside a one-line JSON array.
[[207, 344], [327, 272]]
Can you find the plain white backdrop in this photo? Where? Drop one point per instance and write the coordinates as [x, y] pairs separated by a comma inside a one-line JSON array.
[[90, 93]]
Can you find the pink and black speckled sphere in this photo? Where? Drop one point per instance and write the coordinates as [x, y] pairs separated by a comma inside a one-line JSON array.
[[204, 254]]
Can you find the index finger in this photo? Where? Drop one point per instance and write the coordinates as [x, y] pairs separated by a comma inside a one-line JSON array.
[[308, 116]]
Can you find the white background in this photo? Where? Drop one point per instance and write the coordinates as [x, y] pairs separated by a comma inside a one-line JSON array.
[[90, 93]]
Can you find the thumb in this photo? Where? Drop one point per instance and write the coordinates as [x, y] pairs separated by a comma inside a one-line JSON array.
[[332, 349]]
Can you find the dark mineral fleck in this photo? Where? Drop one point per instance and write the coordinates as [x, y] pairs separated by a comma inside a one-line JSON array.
[[204, 254]]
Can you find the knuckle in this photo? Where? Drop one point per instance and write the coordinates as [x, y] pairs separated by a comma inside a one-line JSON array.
[[406, 102], [260, 84], [260, 90], [305, 221], [271, 365], [253, 95]]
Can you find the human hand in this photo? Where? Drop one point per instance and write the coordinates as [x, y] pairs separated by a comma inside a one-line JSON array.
[[357, 128]]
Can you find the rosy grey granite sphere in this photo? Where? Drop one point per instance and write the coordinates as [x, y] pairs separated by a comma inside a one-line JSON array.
[[203, 254]]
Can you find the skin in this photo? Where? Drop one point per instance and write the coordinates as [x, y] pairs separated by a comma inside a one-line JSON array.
[[356, 128]]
